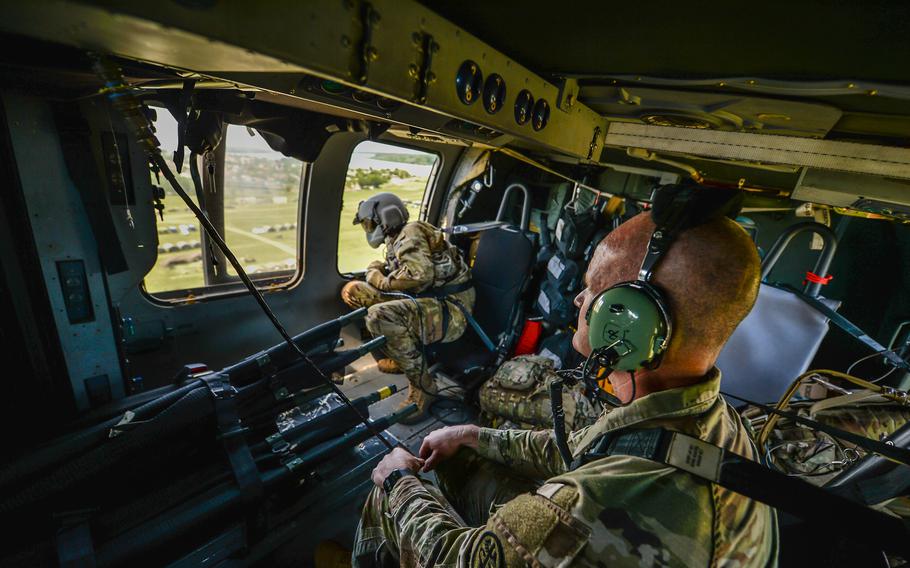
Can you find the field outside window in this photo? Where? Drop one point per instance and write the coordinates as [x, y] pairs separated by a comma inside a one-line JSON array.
[[257, 215], [377, 168]]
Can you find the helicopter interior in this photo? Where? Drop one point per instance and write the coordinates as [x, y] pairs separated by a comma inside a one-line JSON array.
[[525, 134]]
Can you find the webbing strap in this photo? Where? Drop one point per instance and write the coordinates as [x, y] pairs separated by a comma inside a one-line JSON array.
[[231, 431], [849, 327], [443, 291], [750, 479], [895, 453], [74, 540], [488, 343]]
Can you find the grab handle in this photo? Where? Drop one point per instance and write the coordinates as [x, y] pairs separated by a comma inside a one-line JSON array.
[[525, 207], [824, 258]]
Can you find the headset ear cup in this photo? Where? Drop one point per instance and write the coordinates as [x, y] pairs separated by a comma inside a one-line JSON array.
[[632, 317], [391, 217]]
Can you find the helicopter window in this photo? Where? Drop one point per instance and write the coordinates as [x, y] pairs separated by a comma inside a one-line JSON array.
[[375, 168], [255, 206]]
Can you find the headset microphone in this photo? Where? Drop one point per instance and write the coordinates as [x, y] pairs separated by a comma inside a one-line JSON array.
[[629, 324]]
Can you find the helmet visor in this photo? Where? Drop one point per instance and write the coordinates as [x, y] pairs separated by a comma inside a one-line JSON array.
[[368, 225]]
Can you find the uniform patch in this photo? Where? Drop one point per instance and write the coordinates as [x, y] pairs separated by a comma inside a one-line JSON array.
[[488, 552]]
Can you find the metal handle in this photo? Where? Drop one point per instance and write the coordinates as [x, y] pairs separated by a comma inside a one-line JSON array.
[[824, 258], [525, 207]]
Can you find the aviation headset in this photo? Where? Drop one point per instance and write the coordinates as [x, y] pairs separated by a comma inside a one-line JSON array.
[[630, 324]]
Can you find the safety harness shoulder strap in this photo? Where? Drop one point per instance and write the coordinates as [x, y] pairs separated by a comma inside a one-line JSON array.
[[849, 327], [750, 479]]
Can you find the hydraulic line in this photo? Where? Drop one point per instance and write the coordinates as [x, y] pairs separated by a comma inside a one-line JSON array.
[[125, 101]]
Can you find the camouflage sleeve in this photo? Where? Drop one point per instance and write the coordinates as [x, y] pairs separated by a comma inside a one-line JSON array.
[[530, 453], [415, 265], [533, 529]]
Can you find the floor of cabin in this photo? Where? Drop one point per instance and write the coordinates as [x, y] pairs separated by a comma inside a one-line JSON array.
[[364, 377]]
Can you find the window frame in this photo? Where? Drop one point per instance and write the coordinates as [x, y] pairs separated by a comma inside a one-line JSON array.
[[432, 180], [226, 286]]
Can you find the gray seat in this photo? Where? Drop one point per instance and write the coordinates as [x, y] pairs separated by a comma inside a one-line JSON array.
[[779, 338], [772, 346]]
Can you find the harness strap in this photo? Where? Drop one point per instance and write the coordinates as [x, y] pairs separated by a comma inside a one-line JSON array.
[[231, 432], [900, 455], [750, 479], [443, 294], [849, 327], [487, 342], [443, 291]]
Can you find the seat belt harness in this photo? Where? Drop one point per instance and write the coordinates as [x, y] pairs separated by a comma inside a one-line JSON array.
[[443, 294], [750, 479], [849, 327]]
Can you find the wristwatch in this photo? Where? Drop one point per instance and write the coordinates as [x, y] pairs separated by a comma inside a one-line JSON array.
[[389, 483]]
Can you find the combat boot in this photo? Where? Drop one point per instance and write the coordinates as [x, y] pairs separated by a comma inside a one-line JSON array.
[[423, 396], [389, 366]]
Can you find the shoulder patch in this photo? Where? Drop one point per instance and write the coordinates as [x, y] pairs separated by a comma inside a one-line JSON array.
[[488, 552]]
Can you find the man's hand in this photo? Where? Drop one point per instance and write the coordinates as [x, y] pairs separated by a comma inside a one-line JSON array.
[[441, 444], [398, 458], [374, 277], [377, 265]]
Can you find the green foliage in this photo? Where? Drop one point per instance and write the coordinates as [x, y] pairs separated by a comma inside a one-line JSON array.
[[420, 159], [370, 179]]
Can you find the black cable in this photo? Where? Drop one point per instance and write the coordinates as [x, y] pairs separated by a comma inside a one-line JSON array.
[[212, 232], [123, 99]]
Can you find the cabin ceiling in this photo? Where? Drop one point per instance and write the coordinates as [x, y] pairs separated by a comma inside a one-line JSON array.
[[665, 86], [778, 39]]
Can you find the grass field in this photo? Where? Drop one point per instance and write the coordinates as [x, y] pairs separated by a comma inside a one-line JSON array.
[[354, 254], [266, 251]]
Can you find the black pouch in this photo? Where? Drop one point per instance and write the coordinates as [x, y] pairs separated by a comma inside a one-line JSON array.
[[555, 306], [562, 272], [558, 348], [574, 231]]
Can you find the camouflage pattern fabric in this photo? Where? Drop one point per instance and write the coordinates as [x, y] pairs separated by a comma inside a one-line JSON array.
[[617, 511], [418, 259], [817, 456], [519, 392]]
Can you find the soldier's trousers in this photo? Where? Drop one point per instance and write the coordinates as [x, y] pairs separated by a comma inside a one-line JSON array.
[[407, 324], [470, 488]]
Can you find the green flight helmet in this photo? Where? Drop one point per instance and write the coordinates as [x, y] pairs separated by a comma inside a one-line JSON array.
[[632, 317]]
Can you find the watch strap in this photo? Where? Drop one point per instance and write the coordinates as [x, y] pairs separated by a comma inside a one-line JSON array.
[[389, 483]]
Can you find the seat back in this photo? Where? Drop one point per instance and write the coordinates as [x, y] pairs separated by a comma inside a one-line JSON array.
[[502, 266], [772, 346]]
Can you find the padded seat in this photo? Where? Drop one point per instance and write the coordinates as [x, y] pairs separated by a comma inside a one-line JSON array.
[[772, 346], [501, 269]]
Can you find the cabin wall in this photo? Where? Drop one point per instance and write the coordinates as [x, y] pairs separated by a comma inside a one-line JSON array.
[[215, 331], [62, 234]]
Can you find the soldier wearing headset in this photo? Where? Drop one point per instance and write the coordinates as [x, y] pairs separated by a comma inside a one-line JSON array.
[[420, 293], [659, 303]]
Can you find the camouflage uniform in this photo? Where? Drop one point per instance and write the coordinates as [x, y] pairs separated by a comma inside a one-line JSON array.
[[520, 392], [818, 456], [616, 511], [418, 259]]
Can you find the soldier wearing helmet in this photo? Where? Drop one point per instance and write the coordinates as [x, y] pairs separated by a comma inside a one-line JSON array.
[[418, 295]]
